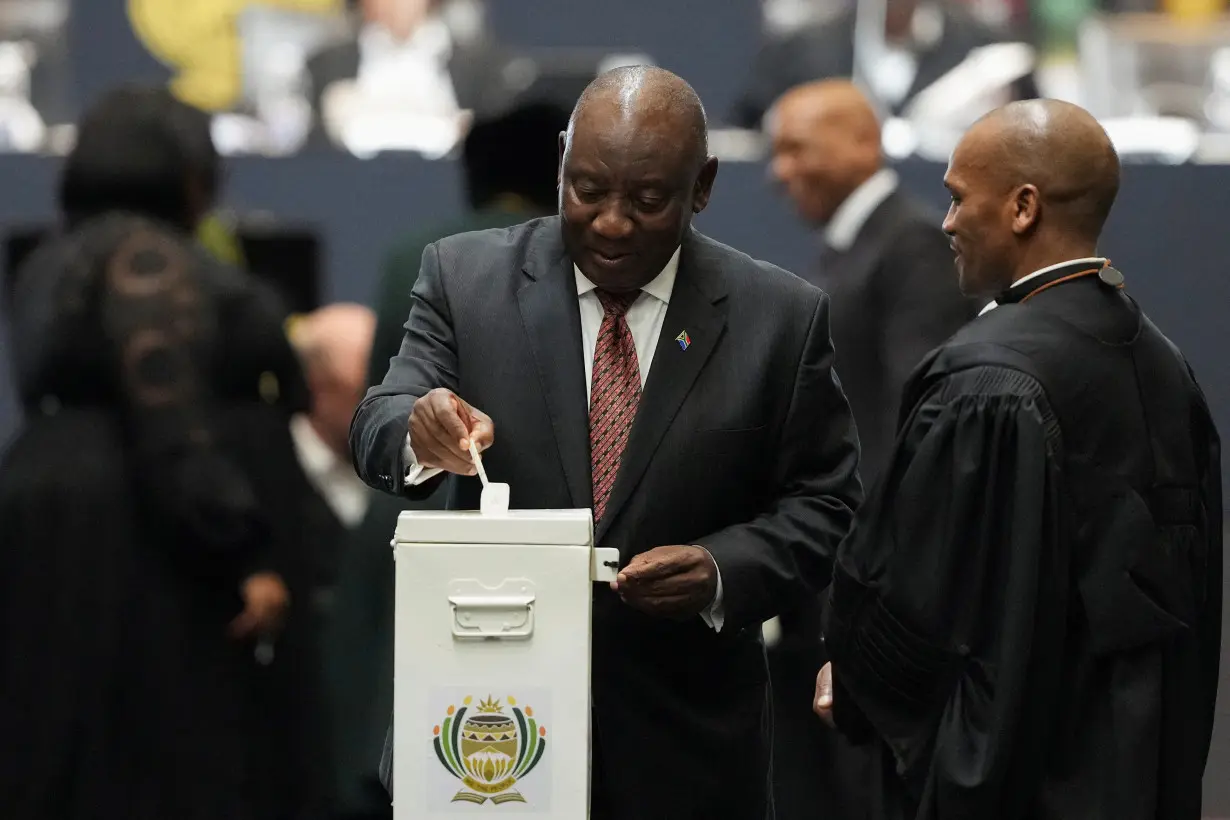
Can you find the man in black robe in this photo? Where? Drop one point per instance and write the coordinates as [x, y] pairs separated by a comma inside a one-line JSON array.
[[1026, 617]]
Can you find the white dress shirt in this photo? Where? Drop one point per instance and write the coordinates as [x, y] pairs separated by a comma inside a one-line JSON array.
[[1099, 261], [852, 214], [333, 477], [645, 319], [889, 69], [411, 74]]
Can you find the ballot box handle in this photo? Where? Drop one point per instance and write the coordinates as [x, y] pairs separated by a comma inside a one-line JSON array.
[[492, 617]]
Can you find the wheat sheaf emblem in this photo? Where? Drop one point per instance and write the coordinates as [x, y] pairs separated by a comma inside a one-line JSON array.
[[489, 748]]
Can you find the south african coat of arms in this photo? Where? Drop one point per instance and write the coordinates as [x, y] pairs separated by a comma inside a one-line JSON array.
[[489, 749]]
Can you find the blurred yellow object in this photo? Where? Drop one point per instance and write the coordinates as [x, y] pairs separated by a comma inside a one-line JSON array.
[[199, 40], [1194, 10], [220, 241]]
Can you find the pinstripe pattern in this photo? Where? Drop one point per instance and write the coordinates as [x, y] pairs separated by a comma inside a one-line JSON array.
[[614, 394]]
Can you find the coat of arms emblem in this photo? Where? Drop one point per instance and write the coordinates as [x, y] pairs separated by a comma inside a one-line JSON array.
[[489, 749]]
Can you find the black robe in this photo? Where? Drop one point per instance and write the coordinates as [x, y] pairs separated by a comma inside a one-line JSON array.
[[1026, 618]]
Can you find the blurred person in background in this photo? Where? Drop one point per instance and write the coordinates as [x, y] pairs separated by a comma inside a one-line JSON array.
[[140, 564], [920, 41], [511, 162], [887, 267], [431, 57]]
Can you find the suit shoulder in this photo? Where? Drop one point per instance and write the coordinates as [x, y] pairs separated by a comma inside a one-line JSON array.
[[506, 248], [743, 272]]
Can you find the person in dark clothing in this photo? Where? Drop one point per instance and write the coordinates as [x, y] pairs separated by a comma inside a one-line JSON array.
[[132, 504], [720, 460], [886, 265], [1026, 618]]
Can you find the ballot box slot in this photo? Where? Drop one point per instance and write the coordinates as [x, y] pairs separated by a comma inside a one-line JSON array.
[[483, 612]]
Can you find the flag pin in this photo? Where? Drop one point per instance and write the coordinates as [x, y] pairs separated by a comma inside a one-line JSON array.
[[684, 340]]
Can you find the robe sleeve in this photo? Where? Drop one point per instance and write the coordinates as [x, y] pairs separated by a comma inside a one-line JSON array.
[[949, 584]]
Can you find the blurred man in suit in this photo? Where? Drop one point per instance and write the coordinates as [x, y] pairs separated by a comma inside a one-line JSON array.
[[887, 266], [898, 51], [683, 391]]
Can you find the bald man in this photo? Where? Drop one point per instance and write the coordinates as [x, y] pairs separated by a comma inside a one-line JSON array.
[[1026, 618], [885, 262], [614, 358], [886, 265]]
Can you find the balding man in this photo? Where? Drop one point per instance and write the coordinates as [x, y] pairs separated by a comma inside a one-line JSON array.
[[683, 391], [886, 266], [885, 262], [334, 344], [1026, 618]]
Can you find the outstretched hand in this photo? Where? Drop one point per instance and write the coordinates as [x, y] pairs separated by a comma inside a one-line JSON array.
[[442, 426]]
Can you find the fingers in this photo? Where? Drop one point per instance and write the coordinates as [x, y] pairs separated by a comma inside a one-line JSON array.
[[437, 431], [244, 624], [823, 704], [655, 564], [482, 430]]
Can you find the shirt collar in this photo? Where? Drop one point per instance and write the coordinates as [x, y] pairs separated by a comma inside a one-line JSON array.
[[316, 458], [852, 214], [659, 288], [1088, 260]]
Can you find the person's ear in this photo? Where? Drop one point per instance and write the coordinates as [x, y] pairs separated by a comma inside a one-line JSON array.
[[1026, 205], [704, 185]]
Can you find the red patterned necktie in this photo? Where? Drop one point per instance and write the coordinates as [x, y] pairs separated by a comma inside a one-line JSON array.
[[615, 392]]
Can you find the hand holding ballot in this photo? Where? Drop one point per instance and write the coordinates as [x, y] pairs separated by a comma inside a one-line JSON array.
[[675, 581], [442, 426]]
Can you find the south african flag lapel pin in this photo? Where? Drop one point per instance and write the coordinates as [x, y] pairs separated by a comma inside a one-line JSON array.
[[684, 340]]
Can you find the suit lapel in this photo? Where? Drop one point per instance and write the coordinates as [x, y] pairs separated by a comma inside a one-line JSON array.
[[552, 321], [695, 308]]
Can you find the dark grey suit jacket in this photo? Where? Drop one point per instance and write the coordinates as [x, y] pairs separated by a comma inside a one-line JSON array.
[[743, 444], [895, 298]]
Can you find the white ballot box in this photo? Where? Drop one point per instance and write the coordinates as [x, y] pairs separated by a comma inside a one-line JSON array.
[[492, 661]]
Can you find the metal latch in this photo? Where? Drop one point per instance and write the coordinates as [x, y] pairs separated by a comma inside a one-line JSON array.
[[505, 612], [604, 564]]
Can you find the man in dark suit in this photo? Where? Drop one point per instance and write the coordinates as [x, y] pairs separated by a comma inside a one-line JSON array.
[[918, 42], [887, 266], [725, 482]]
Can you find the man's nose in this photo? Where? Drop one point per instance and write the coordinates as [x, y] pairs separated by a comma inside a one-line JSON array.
[[612, 222], [947, 225]]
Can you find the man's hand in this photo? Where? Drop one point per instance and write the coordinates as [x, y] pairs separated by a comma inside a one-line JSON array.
[[823, 704], [265, 599], [672, 582], [441, 427]]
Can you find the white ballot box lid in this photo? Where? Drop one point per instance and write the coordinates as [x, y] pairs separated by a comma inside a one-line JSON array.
[[546, 527]]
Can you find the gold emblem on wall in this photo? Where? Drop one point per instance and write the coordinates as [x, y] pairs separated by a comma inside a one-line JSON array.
[[199, 41], [489, 749]]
